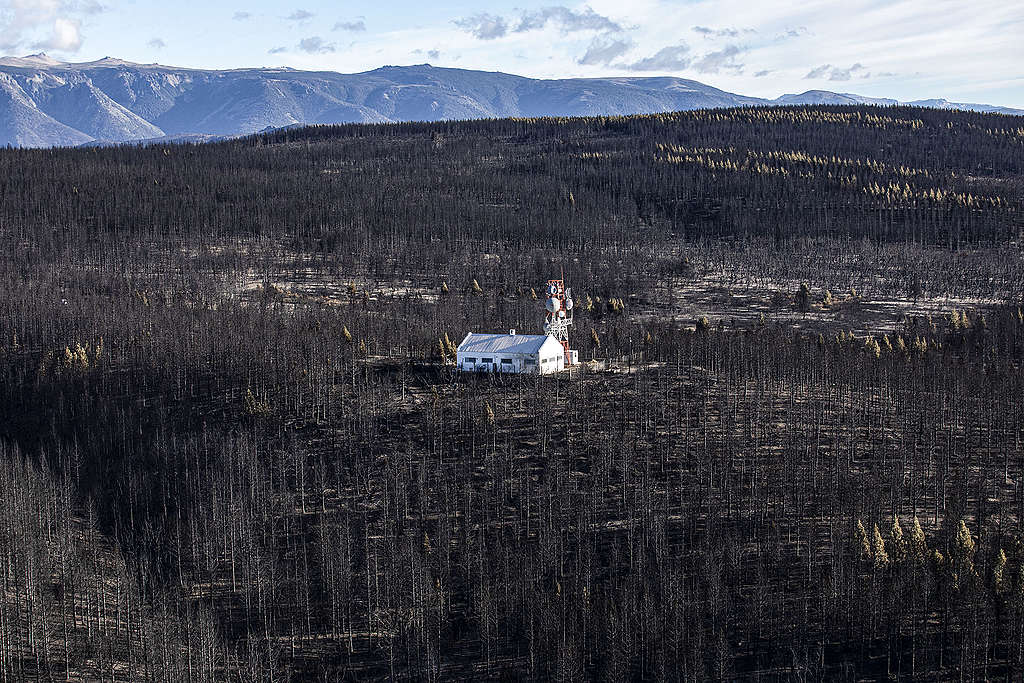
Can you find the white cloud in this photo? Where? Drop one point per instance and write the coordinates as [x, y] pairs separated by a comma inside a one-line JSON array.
[[713, 62], [953, 47], [484, 26], [315, 45], [65, 37], [45, 24], [605, 50], [567, 20], [819, 71], [358, 25], [672, 58], [834, 73], [720, 32], [791, 33], [911, 49]]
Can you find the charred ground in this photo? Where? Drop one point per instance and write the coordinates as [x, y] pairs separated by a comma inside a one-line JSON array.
[[233, 447]]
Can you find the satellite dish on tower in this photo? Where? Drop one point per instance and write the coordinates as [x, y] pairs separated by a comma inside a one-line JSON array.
[[558, 306]]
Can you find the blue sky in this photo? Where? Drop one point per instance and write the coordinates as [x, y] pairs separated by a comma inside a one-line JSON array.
[[963, 50]]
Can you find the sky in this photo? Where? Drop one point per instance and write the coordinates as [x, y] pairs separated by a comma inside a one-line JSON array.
[[961, 50]]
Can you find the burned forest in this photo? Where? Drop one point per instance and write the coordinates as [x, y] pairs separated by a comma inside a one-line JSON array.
[[234, 444]]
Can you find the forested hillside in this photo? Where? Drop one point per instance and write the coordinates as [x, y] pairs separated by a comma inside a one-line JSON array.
[[233, 444]]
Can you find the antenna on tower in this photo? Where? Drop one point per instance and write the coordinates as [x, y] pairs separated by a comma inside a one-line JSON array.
[[559, 314]]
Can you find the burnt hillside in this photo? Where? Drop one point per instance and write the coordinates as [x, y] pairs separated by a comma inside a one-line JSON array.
[[889, 174], [232, 443]]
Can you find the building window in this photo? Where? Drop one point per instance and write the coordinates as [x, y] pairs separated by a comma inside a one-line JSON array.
[[486, 360], [469, 360], [506, 361]]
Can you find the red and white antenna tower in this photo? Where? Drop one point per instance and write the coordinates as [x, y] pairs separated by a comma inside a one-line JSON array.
[[558, 316]]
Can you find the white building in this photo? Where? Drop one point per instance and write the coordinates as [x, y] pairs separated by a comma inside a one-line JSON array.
[[531, 353]]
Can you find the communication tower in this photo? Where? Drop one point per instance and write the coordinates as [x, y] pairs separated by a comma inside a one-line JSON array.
[[558, 315]]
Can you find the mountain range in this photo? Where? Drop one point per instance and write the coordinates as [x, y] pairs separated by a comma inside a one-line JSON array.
[[45, 102]]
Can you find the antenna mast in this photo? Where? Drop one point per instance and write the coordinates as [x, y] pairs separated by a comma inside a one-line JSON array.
[[558, 316]]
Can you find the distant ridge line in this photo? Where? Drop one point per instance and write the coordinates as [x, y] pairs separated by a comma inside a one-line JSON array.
[[45, 102]]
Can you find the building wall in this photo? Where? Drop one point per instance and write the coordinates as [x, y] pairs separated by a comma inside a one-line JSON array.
[[552, 361], [549, 359], [518, 362], [554, 355], [494, 362]]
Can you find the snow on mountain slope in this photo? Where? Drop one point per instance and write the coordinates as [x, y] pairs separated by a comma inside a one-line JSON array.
[[30, 61], [23, 124], [826, 97], [148, 93], [47, 102], [965, 106], [83, 106]]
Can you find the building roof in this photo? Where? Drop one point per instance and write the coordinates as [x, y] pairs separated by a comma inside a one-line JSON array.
[[504, 343]]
